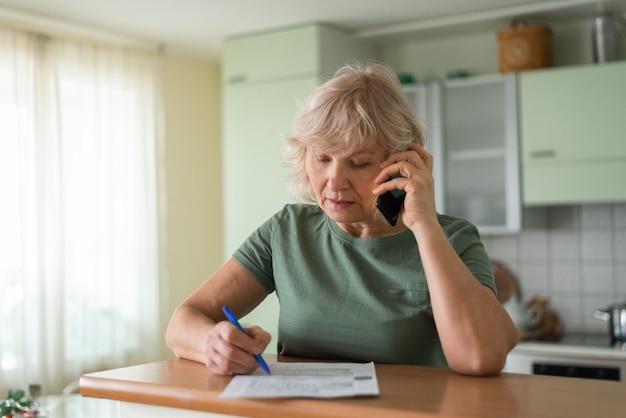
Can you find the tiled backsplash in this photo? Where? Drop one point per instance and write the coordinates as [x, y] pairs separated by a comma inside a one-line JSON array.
[[577, 259]]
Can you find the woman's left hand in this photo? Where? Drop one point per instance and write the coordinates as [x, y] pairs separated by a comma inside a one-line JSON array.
[[415, 165]]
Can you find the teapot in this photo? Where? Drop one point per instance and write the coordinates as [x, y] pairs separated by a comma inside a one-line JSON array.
[[524, 317]]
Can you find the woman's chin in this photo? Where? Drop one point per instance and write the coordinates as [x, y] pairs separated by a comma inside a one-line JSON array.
[[349, 217]]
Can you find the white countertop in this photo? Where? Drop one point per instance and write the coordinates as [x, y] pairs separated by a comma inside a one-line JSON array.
[[578, 352], [567, 350]]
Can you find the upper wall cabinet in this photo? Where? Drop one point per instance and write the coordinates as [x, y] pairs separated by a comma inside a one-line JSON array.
[[308, 51], [481, 152], [272, 56], [573, 134], [473, 136]]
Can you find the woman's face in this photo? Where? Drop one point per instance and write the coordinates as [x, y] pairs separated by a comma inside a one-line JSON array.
[[343, 182]]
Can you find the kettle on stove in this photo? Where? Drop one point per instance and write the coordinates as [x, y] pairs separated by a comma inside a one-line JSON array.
[[615, 315]]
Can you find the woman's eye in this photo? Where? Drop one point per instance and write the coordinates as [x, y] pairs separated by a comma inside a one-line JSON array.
[[360, 164]]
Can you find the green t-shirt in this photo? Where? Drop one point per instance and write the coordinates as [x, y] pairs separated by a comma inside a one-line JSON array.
[[348, 298]]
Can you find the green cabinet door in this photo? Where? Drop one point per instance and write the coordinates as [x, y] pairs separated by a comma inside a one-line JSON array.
[[256, 119], [301, 52], [272, 56], [573, 134]]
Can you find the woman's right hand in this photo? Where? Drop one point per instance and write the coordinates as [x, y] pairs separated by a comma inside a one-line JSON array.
[[199, 331], [229, 351]]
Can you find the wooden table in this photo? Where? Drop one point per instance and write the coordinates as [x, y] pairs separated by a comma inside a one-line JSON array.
[[406, 391]]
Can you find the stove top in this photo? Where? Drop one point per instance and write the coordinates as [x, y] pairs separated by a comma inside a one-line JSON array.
[[577, 354], [587, 339]]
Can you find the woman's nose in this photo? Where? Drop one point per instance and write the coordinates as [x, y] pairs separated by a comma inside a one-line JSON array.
[[338, 179]]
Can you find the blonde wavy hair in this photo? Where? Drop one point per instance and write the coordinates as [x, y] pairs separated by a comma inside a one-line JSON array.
[[361, 105]]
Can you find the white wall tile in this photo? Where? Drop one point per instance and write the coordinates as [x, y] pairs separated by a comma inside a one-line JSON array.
[[595, 215], [534, 245], [596, 245], [503, 248], [577, 261], [619, 215], [534, 279], [597, 278], [620, 281], [565, 277], [564, 245], [619, 241]]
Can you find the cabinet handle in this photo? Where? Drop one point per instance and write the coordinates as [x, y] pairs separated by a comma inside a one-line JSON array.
[[234, 79], [543, 153]]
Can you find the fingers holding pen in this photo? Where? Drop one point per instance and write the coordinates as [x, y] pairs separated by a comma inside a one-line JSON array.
[[229, 351]]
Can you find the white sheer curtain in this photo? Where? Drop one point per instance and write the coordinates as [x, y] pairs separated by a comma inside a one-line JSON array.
[[79, 275]]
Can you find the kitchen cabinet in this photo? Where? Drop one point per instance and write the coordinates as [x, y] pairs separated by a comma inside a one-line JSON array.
[[272, 56], [264, 78], [573, 130], [295, 53], [473, 135]]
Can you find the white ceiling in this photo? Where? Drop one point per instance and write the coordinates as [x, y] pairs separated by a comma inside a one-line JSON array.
[[198, 27]]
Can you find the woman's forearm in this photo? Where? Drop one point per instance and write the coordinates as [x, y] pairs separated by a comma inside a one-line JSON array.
[[476, 332]]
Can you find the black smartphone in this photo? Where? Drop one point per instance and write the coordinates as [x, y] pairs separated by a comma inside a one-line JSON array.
[[390, 203]]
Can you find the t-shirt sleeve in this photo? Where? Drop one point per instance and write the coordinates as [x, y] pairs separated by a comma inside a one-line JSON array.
[[465, 239], [255, 253]]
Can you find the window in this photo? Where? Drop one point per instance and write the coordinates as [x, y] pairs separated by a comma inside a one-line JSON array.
[[79, 271]]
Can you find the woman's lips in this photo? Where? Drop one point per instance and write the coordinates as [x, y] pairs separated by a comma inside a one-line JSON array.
[[339, 204]]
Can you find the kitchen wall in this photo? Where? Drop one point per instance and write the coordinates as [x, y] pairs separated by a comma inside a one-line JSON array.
[[191, 171], [577, 255], [477, 52], [577, 260]]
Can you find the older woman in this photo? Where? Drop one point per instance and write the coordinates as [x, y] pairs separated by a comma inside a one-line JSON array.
[[352, 286]]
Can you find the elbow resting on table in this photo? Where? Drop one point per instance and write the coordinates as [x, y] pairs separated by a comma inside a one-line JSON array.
[[480, 367], [178, 338], [172, 343], [488, 361]]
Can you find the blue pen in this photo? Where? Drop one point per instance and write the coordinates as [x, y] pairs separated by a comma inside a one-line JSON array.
[[232, 318]]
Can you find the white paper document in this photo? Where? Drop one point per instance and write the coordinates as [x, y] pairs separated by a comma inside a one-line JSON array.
[[306, 380]]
